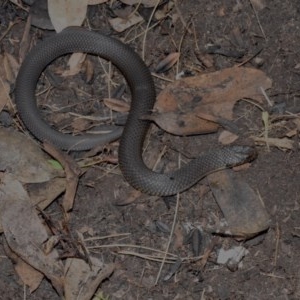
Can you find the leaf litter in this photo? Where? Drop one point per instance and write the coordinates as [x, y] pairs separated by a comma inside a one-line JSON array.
[[26, 245], [180, 107], [209, 111]]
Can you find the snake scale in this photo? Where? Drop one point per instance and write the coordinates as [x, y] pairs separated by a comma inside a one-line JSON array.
[[142, 88]]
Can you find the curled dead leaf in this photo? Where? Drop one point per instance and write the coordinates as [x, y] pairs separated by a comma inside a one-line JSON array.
[[75, 64], [226, 137], [167, 62], [11, 67], [82, 279], [116, 104], [242, 208], [89, 71], [182, 125], [119, 24], [30, 166], [26, 241], [64, 13], [211, 94]]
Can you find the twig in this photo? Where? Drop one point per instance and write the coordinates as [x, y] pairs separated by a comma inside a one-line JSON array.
[[146, 31], [162, 78], [171, 233], [180, 44], [172, 257], [253, 103], [250, 58], [186, 26], [161, 154], [257, 19], [115, 235], [131, 246], [266, 96], [170, 239], [277, 244]]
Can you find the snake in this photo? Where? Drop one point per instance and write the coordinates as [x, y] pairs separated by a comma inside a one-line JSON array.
[[143, 94]]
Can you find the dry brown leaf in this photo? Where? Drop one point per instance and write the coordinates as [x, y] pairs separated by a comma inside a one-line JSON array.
[[206, 60], [212, 94], [64, 13], [167, 63], [178, 237], [4, 93], [291, 133], [226, 137], [128, 199], [30, 166], [283, 144], [82, 280], [116, 104], [163, 12], [258, 4], [296, 121], [75, 64], [242, 208], [89, 71], [80, 124], [43, 194], [178, 124], [29, 276], [72, 171], [11, 67], [25, 42], [120, 25], [8, 74], [27, 241]]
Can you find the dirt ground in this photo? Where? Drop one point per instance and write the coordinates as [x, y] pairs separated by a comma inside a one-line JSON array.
[[270, 270]]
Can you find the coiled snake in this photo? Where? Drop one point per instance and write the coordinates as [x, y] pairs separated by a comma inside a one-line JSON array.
[[142, 88]]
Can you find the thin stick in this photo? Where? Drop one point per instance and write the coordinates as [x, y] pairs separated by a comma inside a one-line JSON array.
[[170, 239], [161, 154], [250, 58], [148, 25], [97, 238], [186, 29], [270, 103], [130, 246], [277, 244], [186, 26], [257, 19], [142, 33], [171, 233]]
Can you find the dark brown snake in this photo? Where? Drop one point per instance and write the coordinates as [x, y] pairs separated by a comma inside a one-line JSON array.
[[142, 88]]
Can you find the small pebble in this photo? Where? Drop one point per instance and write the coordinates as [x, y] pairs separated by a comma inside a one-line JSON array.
[[258, 61]]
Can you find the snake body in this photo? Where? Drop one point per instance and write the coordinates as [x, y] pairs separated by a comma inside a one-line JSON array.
[[142, 88]]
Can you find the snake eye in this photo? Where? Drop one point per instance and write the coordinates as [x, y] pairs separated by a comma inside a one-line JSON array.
[[172, 178]]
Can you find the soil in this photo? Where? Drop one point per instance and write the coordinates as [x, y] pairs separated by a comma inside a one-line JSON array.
[[269, 40]]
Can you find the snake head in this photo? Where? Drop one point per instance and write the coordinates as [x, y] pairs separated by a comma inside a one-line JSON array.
[[238, 155]]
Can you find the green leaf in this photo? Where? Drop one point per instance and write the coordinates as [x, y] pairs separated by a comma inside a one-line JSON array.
[[55, 164]]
